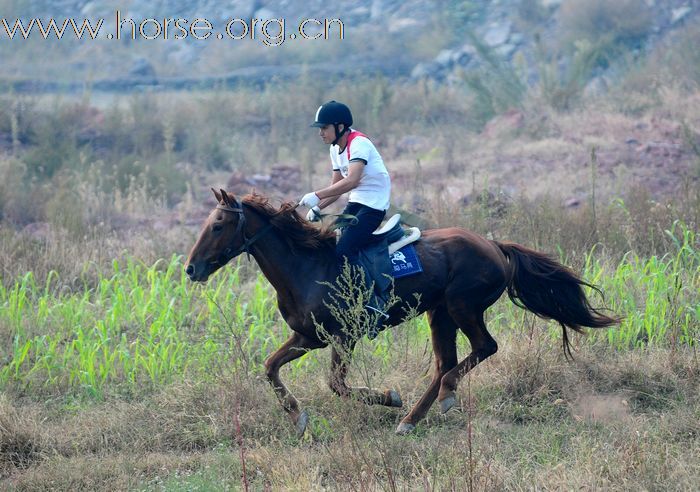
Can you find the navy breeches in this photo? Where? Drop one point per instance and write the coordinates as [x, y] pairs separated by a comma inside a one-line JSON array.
[[355, 237]]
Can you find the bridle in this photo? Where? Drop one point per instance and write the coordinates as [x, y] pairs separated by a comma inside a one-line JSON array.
[[229, 253]]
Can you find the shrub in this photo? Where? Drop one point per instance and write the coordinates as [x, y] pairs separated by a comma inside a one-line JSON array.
[[561, 85], [621, 22], [14, 207], [679, 59], [53, 141], [496, 86]]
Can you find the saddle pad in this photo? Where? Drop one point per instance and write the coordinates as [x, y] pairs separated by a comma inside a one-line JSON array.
[[405, 262]]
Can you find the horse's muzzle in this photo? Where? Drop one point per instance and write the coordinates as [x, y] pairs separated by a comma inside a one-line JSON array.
[[197, 274]]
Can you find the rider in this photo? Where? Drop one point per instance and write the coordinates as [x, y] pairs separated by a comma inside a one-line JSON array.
[[357, 168]]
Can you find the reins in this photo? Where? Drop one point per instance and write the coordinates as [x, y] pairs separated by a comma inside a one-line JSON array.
[[342, 220]]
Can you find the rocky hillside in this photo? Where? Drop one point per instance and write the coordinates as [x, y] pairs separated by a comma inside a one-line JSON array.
[[411, 39]]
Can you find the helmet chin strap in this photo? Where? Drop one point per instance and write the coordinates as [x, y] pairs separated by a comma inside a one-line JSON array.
[[338, 134]]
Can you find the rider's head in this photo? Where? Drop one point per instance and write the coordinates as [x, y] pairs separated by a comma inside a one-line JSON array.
[[336, 114]]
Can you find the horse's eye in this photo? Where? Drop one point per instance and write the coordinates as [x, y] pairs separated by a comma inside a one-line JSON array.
[[217, 227]]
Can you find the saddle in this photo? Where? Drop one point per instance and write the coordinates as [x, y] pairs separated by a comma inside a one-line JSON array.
[[376, 257], [396, 236]]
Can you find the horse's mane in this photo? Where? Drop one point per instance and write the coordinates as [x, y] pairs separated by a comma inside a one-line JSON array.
[[296, 231]]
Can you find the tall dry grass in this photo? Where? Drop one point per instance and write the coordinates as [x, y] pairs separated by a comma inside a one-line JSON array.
[[609, 420]]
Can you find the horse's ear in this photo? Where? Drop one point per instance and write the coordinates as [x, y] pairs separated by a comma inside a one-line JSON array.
[[217, 195], [225, 197], [229, 200]]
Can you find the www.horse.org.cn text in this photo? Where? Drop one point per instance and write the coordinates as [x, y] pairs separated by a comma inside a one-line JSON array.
[[270, 32]]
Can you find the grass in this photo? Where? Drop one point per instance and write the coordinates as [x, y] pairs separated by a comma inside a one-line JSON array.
[[534, 418], [156, 384], [139, 325], [145, 325]]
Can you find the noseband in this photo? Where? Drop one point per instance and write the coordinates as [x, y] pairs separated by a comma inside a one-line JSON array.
[[229, 253]]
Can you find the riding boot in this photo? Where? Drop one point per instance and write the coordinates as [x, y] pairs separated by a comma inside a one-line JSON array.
[[375, 308]]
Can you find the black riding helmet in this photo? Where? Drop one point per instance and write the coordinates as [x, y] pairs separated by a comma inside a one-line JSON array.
[[334, 113]]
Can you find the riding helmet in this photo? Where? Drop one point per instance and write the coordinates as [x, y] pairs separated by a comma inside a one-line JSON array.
[[333, 113]]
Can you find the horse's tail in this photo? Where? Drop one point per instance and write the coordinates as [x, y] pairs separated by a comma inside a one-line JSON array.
[[551, 290]]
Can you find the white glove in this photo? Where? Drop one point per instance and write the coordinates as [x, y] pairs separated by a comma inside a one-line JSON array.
[[310, 200], [314, 214]]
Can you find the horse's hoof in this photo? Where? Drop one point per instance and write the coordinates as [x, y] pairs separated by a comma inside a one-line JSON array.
[[404, 429], [395, 399], [447, 403], [301, 423]]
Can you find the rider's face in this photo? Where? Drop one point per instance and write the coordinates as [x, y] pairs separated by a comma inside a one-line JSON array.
[[327, 134]]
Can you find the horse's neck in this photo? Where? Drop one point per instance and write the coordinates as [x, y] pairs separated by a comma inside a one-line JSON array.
[[288, 271]]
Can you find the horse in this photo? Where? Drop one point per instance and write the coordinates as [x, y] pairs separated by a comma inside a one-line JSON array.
[[463, 274]]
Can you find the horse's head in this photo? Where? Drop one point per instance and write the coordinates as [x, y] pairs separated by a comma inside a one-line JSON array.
[[220, 240]]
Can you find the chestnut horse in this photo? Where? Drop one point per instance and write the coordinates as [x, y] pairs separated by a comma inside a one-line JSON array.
[[463, 274]]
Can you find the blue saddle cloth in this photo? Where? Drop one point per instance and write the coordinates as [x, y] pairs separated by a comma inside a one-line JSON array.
[[405, 262], [380, 267]]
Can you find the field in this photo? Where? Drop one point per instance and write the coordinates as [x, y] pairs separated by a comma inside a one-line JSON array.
[[118, 373], [143, 380]]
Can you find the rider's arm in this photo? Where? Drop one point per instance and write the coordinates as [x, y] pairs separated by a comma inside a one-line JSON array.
[[344, 184], [337, 176]]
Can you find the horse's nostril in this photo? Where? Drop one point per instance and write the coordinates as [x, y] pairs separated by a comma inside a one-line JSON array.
[[189, 270]]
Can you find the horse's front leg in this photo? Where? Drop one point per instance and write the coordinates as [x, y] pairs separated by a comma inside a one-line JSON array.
[[339, 371], [295, 347]]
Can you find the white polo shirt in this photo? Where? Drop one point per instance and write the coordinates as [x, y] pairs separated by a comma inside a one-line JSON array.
[[374, 188]]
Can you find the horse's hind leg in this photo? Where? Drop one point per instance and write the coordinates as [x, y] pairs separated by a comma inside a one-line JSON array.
[[339, 370], [444, 333], [296, 346], [471, 322]]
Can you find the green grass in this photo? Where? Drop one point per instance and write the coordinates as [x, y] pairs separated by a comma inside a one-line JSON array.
[[142, 380], [141, 325], [659, 297], [144, 326]]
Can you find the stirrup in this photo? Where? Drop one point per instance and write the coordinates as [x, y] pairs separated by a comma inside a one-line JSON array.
[[377, 311], [378, 325]]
